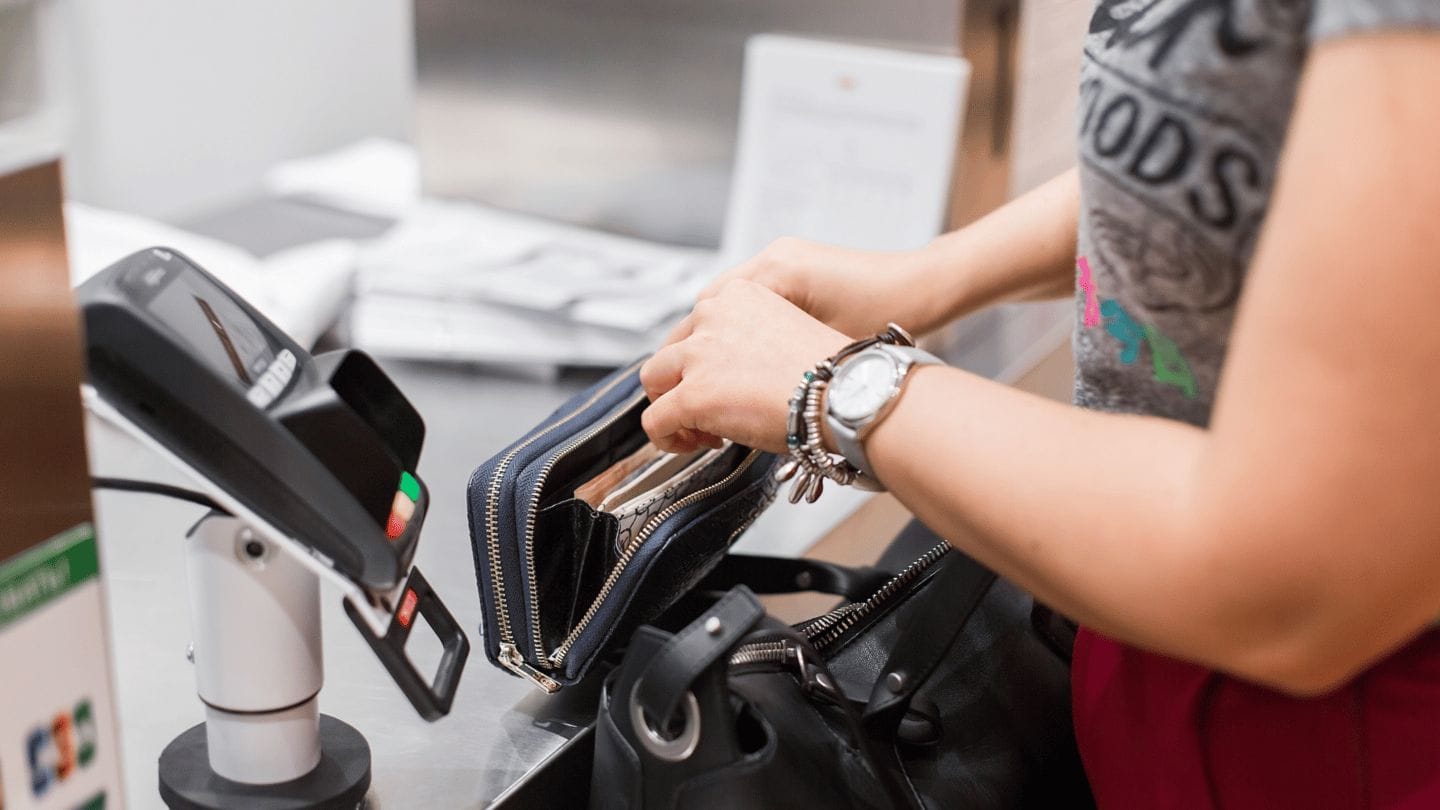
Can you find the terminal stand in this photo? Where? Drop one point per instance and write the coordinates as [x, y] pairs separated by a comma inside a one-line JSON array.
[[255, 614]]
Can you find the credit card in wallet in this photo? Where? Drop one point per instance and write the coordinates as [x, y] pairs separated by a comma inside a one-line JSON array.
[[618, 474], [653, 475], [701, 472]]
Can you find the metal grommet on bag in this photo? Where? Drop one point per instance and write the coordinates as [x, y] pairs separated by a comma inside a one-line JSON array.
[[683, 745]]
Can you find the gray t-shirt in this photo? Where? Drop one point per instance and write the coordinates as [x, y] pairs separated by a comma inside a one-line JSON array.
[[1184, 106]]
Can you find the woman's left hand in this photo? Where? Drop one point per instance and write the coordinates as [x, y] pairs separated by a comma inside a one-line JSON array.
[[729, 369]]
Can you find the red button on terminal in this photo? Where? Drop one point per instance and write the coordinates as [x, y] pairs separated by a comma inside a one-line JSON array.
[[394, 527], [406, 613]]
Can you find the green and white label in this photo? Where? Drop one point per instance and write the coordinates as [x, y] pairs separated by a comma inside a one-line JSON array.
[[58, 744], [46, 572]]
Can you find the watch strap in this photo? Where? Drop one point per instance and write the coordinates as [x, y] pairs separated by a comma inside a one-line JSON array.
[[847, 441]]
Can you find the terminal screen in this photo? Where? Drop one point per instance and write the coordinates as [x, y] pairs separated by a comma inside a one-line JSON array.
[[216, 329]]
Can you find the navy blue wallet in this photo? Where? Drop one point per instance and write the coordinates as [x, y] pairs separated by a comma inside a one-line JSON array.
[[563, 579]]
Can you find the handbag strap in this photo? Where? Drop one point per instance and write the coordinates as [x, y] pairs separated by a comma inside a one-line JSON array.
[[662, 685], [764, 574], [938, 618]]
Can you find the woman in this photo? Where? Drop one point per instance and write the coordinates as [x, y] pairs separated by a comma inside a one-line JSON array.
[[1244, 511]]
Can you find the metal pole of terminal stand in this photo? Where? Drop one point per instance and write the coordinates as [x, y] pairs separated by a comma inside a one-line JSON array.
[[255, 619]]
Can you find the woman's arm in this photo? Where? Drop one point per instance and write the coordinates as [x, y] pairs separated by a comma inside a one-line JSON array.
[[1024, 250], [1294, 542], [1299, 539]]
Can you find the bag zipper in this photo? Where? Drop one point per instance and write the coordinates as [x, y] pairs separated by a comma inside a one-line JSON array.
[[824, 630], [764, 652], [557, 658], [510, 656], [823, 622]]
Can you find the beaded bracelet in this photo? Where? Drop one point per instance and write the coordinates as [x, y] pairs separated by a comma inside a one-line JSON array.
[[810, 463]]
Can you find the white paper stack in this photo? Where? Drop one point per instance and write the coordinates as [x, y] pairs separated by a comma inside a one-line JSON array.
[[458, 281]]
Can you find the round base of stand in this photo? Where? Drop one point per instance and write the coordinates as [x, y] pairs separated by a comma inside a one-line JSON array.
[[339, 781]]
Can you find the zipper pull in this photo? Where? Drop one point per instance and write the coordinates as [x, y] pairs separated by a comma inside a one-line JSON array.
[[511, 659]]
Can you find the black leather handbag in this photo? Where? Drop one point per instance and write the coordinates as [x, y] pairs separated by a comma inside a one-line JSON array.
[[944, 687]]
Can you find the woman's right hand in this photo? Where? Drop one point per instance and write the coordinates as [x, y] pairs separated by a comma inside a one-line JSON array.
[[855, 292]]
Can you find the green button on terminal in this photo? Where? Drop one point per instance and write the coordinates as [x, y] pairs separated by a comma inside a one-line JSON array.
[[409, 486]]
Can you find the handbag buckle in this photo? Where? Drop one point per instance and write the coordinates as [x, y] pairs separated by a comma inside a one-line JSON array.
[[670, 749]]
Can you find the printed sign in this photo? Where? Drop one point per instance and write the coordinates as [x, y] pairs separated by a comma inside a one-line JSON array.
[[57, 725]]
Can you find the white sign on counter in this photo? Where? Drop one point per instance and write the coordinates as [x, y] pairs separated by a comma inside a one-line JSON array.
[[847, 144]]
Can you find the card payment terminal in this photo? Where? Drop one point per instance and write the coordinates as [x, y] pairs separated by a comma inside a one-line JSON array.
[[309, 463]]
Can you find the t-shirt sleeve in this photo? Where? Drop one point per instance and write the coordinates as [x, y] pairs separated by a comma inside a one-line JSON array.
[[1337, 18]]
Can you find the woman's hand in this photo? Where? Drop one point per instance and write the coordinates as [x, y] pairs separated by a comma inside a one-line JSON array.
[[856, 292], [728, 369]]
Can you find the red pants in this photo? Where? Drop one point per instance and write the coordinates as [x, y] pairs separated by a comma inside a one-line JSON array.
[[1159, 733]]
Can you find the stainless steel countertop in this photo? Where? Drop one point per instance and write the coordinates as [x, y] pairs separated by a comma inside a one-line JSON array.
[[499, 729]]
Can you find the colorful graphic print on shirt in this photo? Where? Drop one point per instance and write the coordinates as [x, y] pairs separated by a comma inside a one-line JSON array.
[[1170, 366]]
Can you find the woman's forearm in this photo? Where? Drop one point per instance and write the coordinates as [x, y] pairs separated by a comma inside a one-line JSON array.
[[1024, 250], [1094, 513], [1053, 494]]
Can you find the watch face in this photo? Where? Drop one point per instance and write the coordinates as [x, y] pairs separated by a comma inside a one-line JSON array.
[[862, 386]]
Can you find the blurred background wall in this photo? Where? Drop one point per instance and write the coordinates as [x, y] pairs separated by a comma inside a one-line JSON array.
[[172, 108], [179, 106], [617, 114]]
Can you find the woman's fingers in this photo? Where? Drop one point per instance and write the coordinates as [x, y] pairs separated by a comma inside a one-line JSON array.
[[659, 376], [713, 288], [681, 331], [745, 270], [729, 375], [663, 371], [664, 422]]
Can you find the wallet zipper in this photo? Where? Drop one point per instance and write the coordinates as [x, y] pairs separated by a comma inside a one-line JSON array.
[[824, 630], [530, 515], [557, 658], [510, 656]]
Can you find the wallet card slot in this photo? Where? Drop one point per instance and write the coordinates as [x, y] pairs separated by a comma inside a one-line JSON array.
[[620, 438], [709, 469], [578, 545], [694, 532]]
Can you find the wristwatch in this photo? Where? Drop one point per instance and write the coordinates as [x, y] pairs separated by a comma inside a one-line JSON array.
[[864, 390]]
